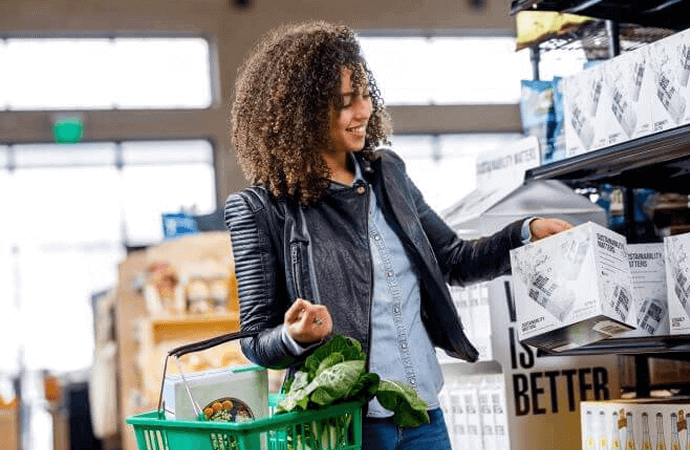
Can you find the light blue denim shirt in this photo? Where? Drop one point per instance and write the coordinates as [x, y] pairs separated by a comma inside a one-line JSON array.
[[401, 349]]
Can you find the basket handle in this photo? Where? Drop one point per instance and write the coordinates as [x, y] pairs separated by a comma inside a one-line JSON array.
[[196, 347]]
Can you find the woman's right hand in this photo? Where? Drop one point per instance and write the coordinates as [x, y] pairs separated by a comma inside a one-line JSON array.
[[307, 323]]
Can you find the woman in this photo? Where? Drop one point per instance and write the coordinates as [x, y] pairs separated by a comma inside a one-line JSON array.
[[333, 237]]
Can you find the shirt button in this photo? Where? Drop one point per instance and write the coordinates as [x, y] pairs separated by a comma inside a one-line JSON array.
[[360, 189], [413, 381], [377, 237], [389, 273]]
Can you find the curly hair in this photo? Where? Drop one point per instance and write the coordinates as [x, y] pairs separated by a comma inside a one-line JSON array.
[[284, 93]]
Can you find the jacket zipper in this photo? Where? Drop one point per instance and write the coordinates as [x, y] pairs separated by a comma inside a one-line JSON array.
[[297, 271], [371, 274]]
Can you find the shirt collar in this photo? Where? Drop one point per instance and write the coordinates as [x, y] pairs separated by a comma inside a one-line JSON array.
[[358, 175]]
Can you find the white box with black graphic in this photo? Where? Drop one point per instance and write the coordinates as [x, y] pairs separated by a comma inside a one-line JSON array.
[[583, 97], [648, 271], [573, 288], [677, 248], [670, 69], [626, 107]]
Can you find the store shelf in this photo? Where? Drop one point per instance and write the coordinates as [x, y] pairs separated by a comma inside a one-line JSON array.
[[660, 346], [651, 13], [659, 161], [191, 326], [594, 40]]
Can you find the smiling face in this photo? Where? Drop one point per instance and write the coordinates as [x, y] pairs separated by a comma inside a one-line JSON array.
[[348, 123]]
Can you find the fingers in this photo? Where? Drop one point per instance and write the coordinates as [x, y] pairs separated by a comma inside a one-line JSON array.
[[294, 313], [542, 228], [307, 322]]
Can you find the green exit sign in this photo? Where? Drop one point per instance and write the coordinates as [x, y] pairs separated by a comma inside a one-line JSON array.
[[69, 130]]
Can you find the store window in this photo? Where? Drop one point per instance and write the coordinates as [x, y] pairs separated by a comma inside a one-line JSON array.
[[72, 212], [442, 70], [447, 70], [119, 73], [444, 166]]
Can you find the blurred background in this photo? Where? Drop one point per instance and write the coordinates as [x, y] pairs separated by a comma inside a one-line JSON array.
[[113, 119]]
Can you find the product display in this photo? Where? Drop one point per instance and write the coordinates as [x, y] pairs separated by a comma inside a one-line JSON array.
[[648, 270], [668, 109], [644, 91], [541, 110], [475, 412], [627, 114], [573, 288], [645, 424], [678, 282], [585, 129]]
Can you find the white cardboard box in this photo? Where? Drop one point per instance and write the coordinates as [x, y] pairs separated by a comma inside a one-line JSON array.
[[635, 424], [648, 270], [677, 248], [670, 69], [583, 96], [626, 111], [248, 384], [573, 288]]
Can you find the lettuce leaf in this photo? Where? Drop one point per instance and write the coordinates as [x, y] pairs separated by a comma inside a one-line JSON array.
[[349, 348], [409, 408]]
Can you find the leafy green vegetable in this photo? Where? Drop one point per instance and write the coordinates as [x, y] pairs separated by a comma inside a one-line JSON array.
[[331, 360], [336, 372], [335, 382], [350, 349], [365, 387], [410, 409]]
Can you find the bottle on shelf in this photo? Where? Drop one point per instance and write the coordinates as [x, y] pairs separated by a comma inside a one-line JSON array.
[[589, 431], [660, 438], [603, 438], [646, 438], [615, 435], [675, 438], [629, 433]]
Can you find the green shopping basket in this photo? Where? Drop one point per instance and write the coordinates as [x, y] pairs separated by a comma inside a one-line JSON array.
[[332, 428]]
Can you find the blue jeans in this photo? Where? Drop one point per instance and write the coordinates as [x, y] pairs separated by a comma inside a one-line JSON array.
[[384, 434]]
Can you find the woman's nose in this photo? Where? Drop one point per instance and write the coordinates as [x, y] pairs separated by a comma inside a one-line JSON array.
[[363, 107]]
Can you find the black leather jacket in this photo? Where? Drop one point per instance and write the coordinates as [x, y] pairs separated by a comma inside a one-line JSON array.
[[285, 251]]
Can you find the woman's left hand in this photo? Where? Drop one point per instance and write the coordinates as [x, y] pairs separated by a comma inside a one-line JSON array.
[[541, 228]]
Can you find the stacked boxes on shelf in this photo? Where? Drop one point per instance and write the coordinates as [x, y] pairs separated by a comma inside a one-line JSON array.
[[678, 282], [648, 270], [630, 96], [587, 284]]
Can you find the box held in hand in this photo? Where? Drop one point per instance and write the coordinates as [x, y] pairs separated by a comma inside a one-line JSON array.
[[573, 288]]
